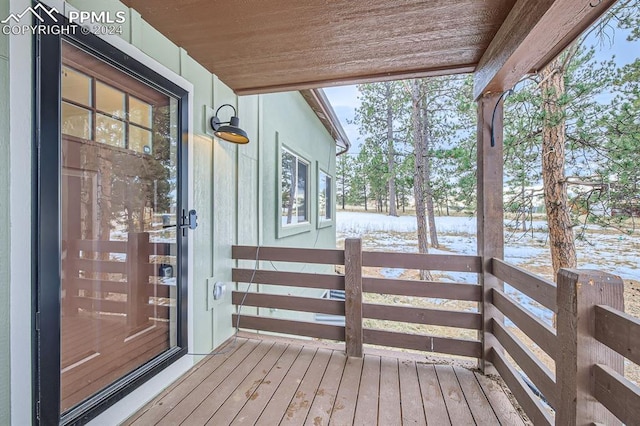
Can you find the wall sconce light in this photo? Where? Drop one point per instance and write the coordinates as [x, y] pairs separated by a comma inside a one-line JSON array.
[[229, 130]]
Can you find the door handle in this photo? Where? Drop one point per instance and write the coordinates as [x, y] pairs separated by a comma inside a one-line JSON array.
[[190, 220]]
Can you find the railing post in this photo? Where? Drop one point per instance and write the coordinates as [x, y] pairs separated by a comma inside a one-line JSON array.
[[353, 296], [138, 251], [578, 292]]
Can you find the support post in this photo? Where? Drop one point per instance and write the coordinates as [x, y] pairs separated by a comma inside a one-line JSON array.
[[353, 296], [578, 292], [490, 213], [138, 251]]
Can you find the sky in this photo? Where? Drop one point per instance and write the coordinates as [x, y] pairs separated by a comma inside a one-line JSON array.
[[344, 99]]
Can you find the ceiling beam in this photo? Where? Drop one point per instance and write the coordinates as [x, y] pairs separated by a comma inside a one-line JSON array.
[[533, 34]]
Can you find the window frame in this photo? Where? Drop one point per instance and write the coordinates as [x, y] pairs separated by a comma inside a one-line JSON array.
[[286, 230], [323, 222]]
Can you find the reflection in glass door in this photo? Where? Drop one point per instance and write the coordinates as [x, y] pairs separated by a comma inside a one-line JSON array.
[[119, 204]]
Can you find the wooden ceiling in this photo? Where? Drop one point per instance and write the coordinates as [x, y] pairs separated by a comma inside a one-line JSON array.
[[258, 46]]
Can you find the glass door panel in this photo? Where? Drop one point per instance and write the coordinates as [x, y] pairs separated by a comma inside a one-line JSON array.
[[119, 207]]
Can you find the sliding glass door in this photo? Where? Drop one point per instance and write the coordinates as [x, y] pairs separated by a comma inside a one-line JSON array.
[[121, 249]]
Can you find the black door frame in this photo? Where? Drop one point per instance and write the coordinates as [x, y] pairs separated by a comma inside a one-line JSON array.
[[46, 250]]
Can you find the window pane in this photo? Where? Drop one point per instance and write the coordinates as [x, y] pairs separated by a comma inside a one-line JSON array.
[[139, 112], [109, 100], [140, 140], [329, 198], [109, 131], [288, 188], [322, 196], [301, 193], [76, 121], [76, 86]]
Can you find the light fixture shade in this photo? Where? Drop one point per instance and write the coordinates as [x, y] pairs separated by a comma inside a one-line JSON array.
[[230, 130], [232, 134]]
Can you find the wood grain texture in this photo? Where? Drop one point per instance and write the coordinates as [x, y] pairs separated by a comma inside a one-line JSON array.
[[543, 335], [539, 289], [531, 36], [286, 45], [367, 401], [411, 403], [422, 342], [345, 405], [293, 279], [305, 393], [287, 401], [441, 317], [291, 303], [438, 290], [435, 262], [459, 411], [481, 411], [535, 370], [353, 296], [299, 328], [490, 244], [619, 331], [259, 382], [617, 394], [578, 292], [432, 399], [389, 410], [531, 405], [499, 401], [289, 254]]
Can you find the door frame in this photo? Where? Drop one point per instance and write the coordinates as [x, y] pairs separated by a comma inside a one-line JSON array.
[[46, 275]]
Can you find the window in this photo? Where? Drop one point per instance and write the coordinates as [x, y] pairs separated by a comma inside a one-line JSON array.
[[95, 110], [325, 197], [294, 189]]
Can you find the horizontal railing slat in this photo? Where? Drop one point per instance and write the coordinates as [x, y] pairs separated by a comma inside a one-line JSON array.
[[100, 246], [293, 279], [163, 249], [527, 400], [619, 331], [539, 374], [433, 262], [420, 342], [539, 332], [287, 254], [537, 288], [436, 290], [617, 394], [117, 307], [291, 303], [300, 328], [410, 314]]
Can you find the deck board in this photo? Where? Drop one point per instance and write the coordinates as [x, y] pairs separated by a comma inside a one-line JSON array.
[[269, 382]]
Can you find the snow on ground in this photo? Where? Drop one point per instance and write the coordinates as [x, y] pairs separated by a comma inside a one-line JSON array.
[[604, 250]]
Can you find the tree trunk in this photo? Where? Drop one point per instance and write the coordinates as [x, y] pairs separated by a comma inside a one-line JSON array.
[[418, 173], [426, 136], [563, 251], [391, 153]]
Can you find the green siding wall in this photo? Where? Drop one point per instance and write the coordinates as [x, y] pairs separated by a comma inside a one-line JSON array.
[[5, 377], [235, 187]]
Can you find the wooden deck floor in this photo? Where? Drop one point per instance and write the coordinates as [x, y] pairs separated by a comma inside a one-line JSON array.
[[267, 382]]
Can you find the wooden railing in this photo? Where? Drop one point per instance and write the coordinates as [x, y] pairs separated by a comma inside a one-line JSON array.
[[593, 333], [88, 279], [353, 308], [572, 374]]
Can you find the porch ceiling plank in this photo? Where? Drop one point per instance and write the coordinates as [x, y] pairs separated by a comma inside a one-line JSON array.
[[255, 46], [532, 35]]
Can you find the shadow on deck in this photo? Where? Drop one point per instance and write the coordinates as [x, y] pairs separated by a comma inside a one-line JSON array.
[[267, 380]]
